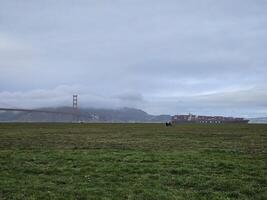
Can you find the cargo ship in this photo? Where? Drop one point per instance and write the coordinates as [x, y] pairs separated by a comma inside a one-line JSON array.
[[200, 119]]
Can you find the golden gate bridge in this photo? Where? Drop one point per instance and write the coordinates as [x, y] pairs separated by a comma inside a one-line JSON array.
[[73, 112]]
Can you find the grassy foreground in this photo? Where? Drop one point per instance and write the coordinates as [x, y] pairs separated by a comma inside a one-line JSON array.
[[133, 161]]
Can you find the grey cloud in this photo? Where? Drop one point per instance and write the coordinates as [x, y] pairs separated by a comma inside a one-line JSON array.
[[130, 97], [246, 103], [136, 53]]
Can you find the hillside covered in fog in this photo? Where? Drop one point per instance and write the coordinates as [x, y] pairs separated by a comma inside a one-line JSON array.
[[86, 115]]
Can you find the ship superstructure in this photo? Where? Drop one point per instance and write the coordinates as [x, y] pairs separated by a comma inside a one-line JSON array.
[[190, 118]]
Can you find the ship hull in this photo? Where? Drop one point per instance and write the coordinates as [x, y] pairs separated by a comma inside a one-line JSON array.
[[211, 122]]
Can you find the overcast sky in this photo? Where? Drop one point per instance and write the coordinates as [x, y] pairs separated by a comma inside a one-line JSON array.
[[162, 56]]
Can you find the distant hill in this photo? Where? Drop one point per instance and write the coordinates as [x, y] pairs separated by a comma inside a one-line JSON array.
[[86, 115], [260, 120]]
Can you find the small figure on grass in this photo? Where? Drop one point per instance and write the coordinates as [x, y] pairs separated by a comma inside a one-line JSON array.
[[168, 123]]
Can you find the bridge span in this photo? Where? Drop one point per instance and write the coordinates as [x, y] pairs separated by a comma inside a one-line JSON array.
[[74, 112], [38, 111]]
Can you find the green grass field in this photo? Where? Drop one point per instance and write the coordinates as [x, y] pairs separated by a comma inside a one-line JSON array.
[[133, 161]]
